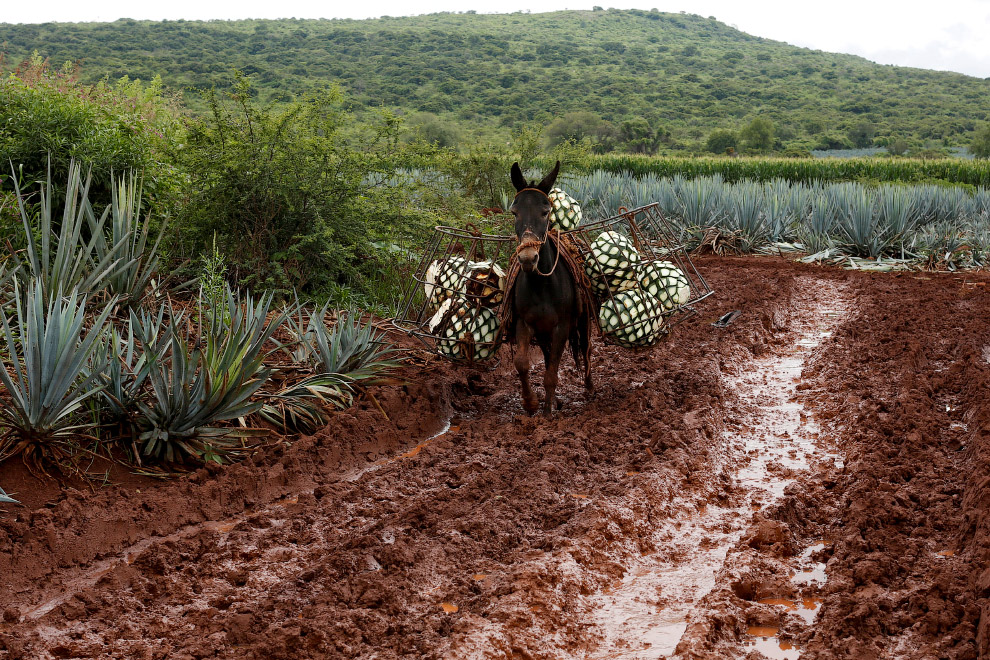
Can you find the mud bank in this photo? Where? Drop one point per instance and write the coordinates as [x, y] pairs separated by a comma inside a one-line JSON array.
[[505, 536], [878, 554]]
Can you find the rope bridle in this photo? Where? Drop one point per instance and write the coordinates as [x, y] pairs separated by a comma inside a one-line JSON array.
[[533, 242]]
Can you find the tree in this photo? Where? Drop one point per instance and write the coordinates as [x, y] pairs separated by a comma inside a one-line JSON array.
[[48, 118], [758, 135], [296, 196], [862, 134], [429, 127], [980, 147], [721, 140], [897, 146], [574, 126], [643, 135]]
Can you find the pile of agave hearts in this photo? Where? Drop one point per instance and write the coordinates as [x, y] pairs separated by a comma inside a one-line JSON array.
[[464, 296]]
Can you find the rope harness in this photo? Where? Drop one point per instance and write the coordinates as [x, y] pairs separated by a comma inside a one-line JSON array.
[[531, 241], [573, 262], [534, 242]]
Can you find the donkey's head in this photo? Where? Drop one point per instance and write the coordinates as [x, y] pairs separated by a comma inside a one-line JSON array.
[[531, 208]]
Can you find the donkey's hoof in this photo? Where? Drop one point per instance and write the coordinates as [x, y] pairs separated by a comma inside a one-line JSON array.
[[531, 405]]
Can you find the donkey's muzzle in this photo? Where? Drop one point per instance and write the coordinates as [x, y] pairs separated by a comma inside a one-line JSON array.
[[528, 252]]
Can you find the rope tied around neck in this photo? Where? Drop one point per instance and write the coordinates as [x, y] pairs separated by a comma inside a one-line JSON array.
[[533, 242]]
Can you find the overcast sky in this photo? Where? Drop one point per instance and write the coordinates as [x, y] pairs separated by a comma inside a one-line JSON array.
[[951, 35]]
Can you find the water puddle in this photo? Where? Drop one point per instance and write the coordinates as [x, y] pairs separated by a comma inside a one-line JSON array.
[[764, 639], [810, 571], [775, 439], [806, 608]]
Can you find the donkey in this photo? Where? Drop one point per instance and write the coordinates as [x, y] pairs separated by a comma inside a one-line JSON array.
[[546, 303]]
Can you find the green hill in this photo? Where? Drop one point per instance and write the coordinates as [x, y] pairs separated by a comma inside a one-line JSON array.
[[635, 77]]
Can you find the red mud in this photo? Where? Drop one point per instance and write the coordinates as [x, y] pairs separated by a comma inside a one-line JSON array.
[[494, 539]]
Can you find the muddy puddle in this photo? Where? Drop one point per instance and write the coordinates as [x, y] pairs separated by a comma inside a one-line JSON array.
[[764, 639], [763, 449]]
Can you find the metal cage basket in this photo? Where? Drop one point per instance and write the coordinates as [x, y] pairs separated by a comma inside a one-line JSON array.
[[643, 278], [452, 303]]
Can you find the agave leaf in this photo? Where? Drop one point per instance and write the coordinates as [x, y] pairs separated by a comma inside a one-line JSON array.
[[746, 216], [128, 241], [300, 407], [48, 353], [351, 348], [213, 379], [7, 499], [65, 263]]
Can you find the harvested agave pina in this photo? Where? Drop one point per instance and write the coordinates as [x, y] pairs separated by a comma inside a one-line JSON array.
[[612, 263], [632, 319], [485, 283], [484, 331], [437, 319], [464, 331], [666, 282], [444, 279], [566, 213]]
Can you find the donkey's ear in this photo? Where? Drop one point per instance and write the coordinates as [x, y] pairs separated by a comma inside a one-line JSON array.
[[518, 180], [549, 179]]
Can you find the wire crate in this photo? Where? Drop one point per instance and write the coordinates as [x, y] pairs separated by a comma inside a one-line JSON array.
[[643, 278], [452, 303]]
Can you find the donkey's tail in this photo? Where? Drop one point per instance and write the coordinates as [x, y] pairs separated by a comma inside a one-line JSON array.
[[581, 346], [576, 345]]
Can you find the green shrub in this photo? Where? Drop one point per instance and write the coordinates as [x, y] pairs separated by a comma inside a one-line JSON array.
[[296, 196], [49, 115]]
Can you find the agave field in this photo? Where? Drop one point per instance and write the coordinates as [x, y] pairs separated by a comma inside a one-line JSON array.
[[805, 170], [799, 471], [103, 364], [931, 225]]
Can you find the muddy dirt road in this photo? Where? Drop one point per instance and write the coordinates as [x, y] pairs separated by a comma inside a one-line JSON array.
[[812, 481]]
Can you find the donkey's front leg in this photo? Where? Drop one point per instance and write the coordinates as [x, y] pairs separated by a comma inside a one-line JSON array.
[[552, 359], [524, 334]]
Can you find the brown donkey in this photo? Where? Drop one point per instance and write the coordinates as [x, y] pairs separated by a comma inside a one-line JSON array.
[[547, 306]]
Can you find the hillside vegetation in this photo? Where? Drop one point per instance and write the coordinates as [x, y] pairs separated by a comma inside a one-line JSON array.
[[639, 81]]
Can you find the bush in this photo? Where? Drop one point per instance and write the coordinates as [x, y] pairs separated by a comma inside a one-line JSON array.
[[48, 114], [296, 196], [721, 140], [980, 147]]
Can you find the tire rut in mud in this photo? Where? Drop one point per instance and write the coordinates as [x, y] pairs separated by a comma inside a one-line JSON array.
[[894, 532], [768, 441]]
